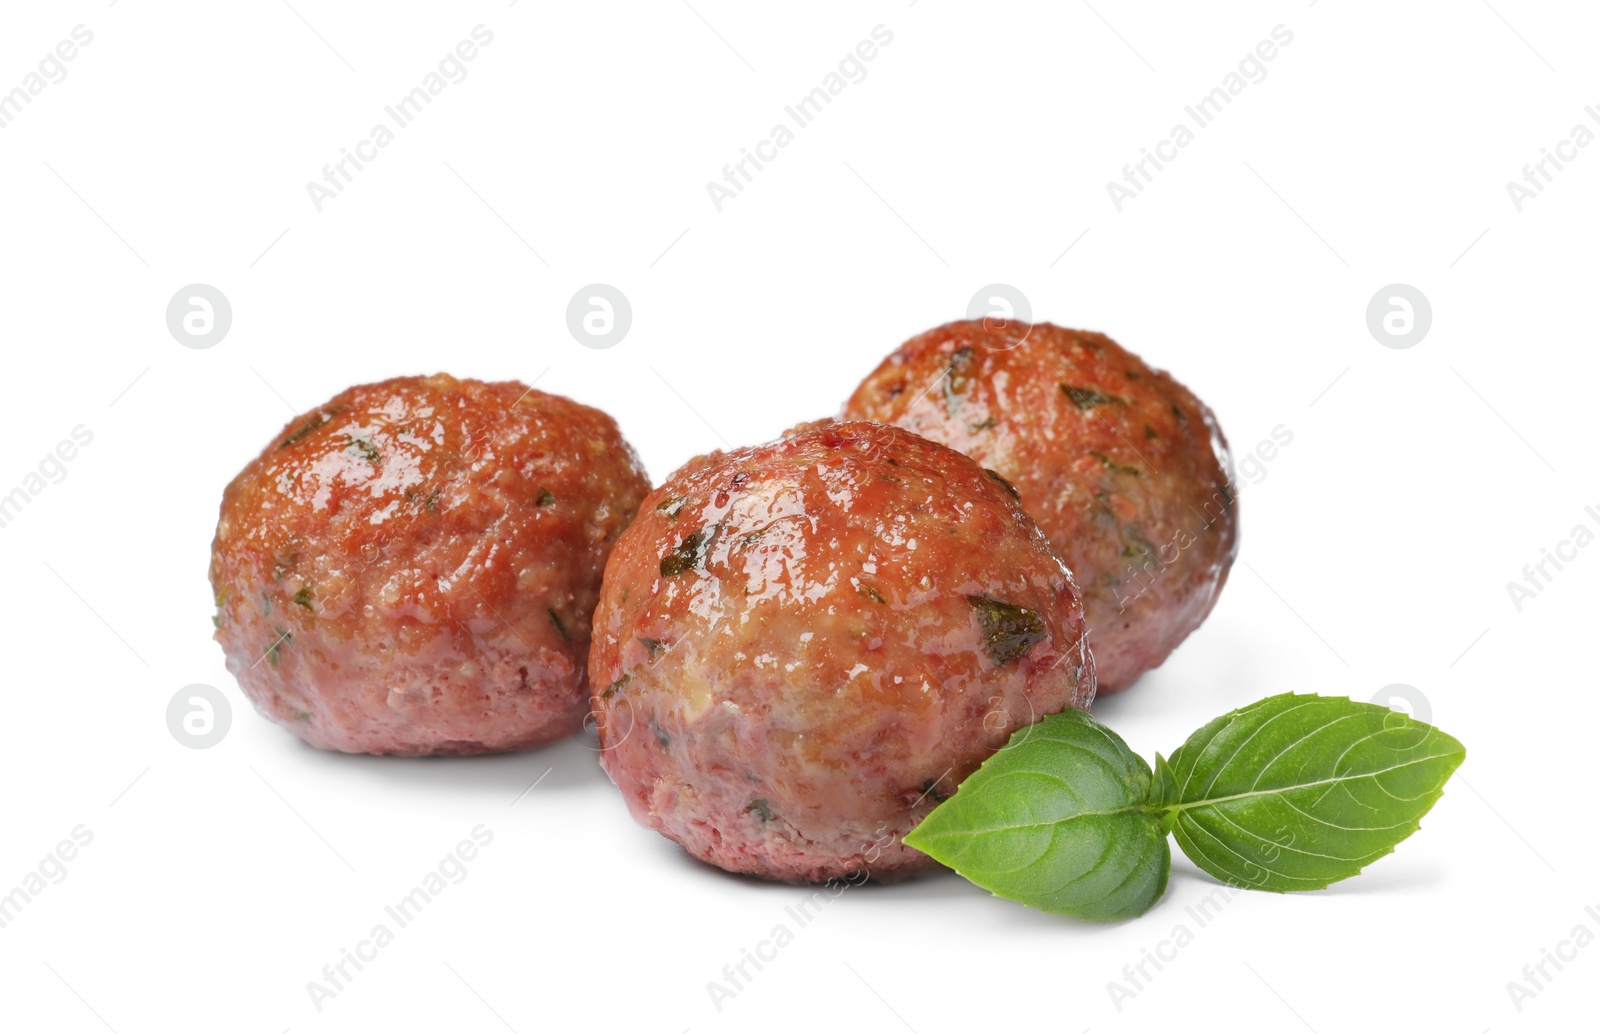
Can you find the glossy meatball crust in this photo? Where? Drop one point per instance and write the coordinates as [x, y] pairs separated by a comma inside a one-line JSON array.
[[412, 567], [802, 647], [1124, 468]]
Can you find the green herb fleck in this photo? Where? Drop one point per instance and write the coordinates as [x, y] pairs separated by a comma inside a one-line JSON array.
[[760, 807], [303, 597], [930, 788], [983, 425], [555, 619], [1109, 464], [654, 647], [660, 734], [1139, 545], [311, 424], [1087, 398], [546, 497], [615, 688], [870, 593], [1150, 432], [368, 451], [284, 639], [958, 377], [432, 502], [688, 555], [1009, 631], [671, 506]]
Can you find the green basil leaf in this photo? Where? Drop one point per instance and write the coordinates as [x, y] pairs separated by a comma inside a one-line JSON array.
[[1056, 819], [1298, 791]]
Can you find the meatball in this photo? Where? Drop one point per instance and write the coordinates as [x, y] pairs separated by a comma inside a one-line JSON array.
[[411, 568], [802, 647], [1124, 469]]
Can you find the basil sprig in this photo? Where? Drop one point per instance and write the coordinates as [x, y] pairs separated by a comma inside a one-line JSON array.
[[1293, 792]]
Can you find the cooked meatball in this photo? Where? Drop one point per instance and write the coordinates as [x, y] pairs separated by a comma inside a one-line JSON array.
[[1124, 469], [802, 647], [412, 567]]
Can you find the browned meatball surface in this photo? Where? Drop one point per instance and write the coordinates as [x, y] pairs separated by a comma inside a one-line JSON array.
[[411, 568], [802, 647], [1124, 468]]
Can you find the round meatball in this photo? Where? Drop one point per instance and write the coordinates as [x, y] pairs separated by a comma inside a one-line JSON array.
[[802, 647], [1124, 469], [412, 567]]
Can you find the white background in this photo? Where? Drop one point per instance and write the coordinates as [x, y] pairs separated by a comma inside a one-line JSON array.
[[1377, 547]]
